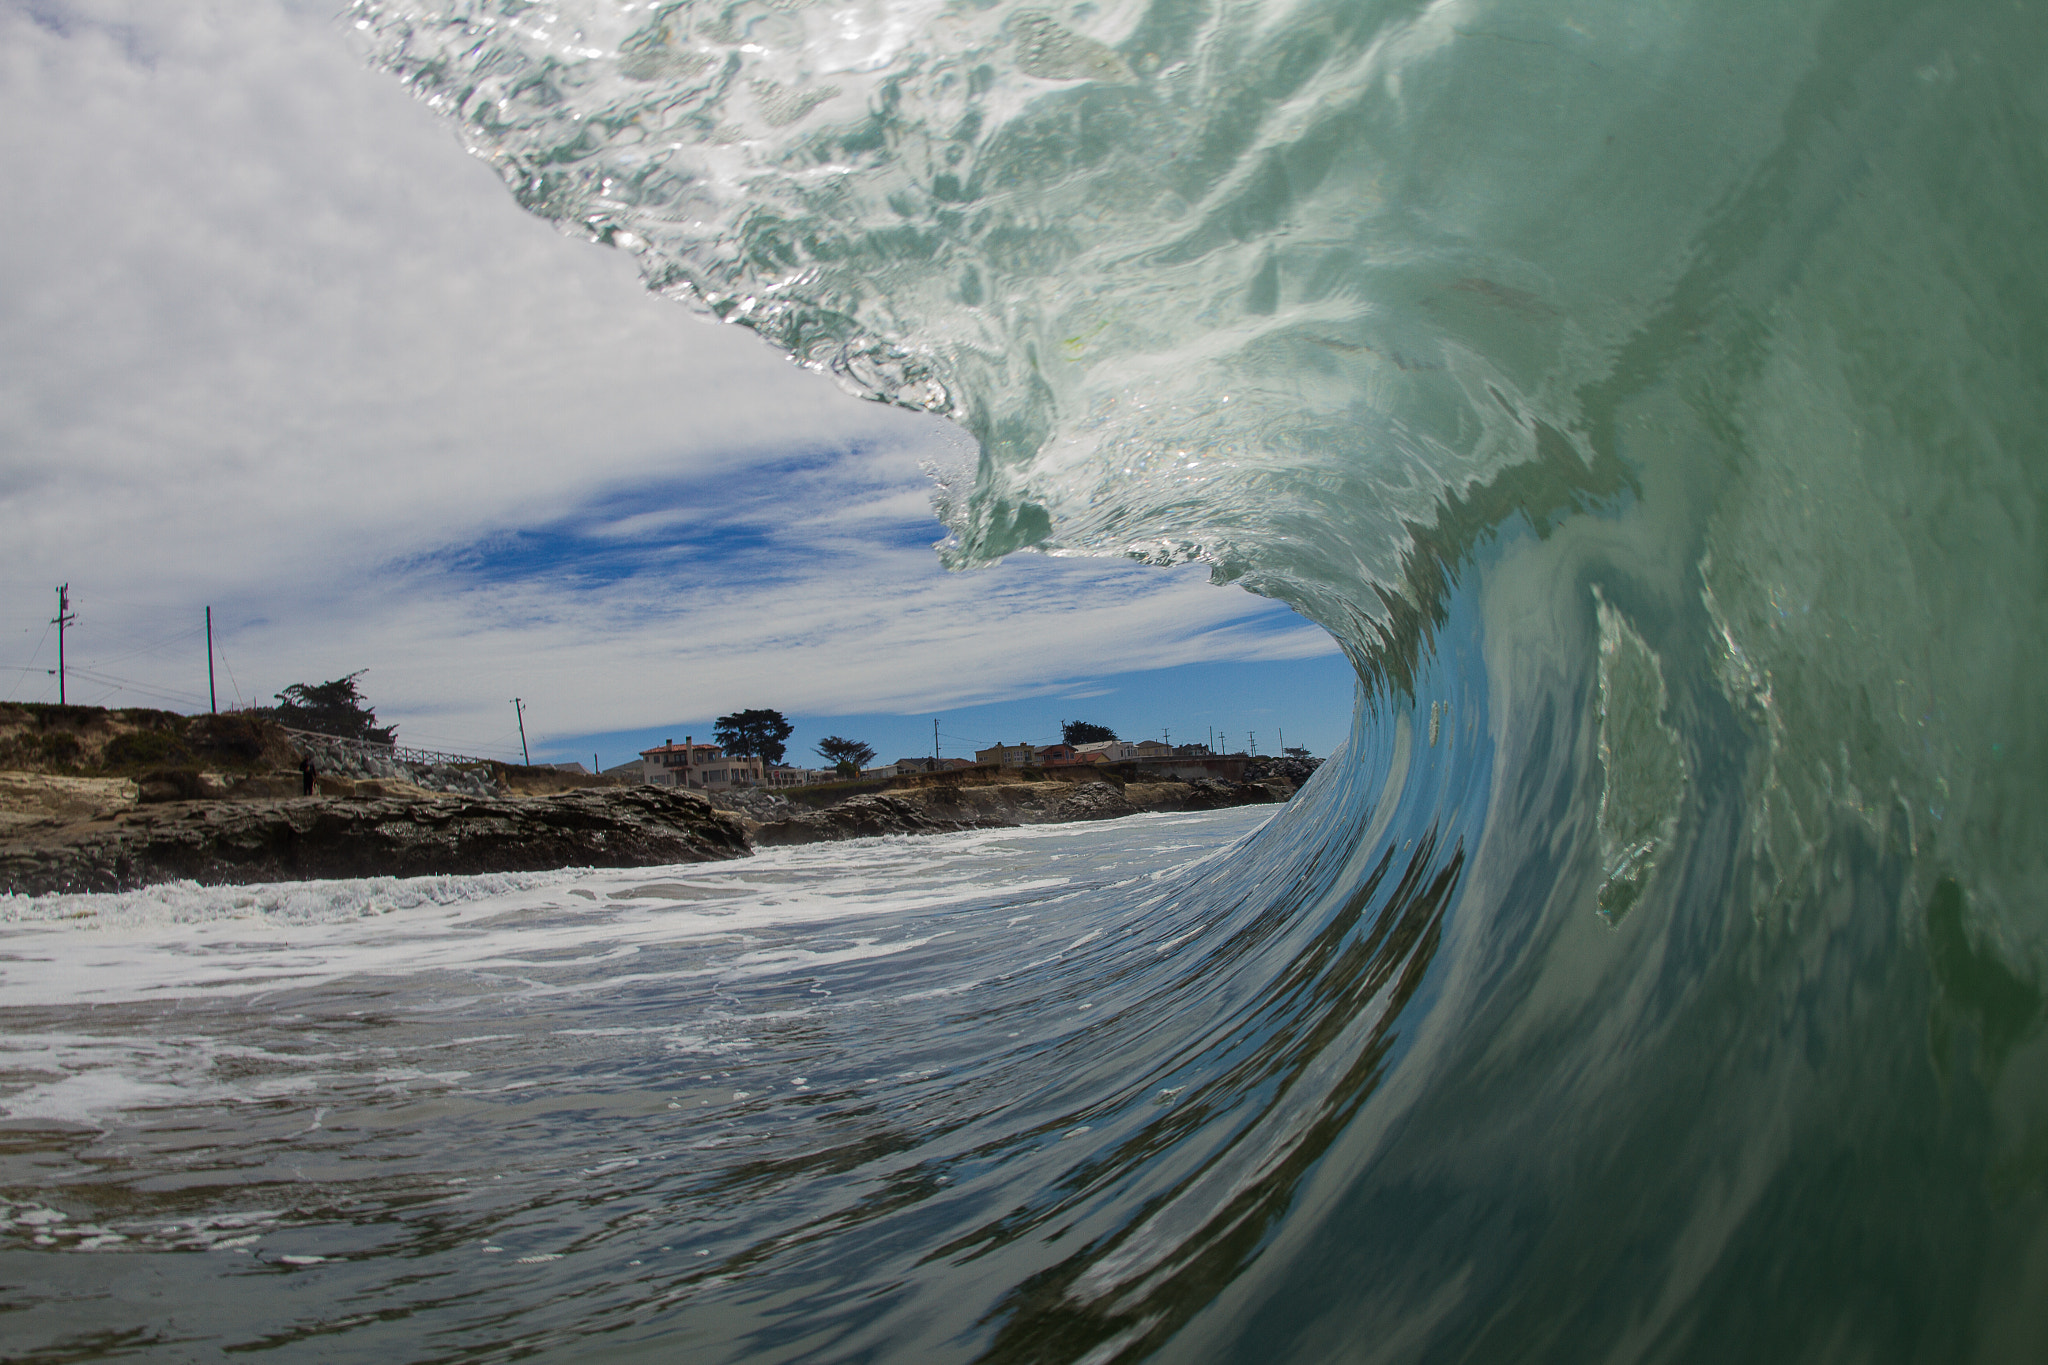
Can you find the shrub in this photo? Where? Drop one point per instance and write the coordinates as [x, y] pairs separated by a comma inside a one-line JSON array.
[[239, 740], [141, 748]]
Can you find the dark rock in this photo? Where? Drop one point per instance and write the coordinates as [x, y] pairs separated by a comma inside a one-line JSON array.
[[1295, 772], [1204, 793], [246, 841], [755, 804], [858, 817], [1092, 801], [1001, 805], [940, 808]]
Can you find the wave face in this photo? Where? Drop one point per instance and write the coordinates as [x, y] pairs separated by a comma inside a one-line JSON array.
[[1651, 400]]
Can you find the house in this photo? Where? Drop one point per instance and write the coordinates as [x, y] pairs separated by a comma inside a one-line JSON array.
[[1054, 754], [1104, 751], [782, 775], [906, 766], [1018, 755], [1152, 748], [700, 767]]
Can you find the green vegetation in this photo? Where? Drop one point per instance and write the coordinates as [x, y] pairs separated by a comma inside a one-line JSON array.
[[752, 733], [1082, 732], [847, 755], [331, 708], [91, 741]]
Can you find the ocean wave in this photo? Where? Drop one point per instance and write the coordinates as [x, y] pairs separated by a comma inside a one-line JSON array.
[[1650, 401]]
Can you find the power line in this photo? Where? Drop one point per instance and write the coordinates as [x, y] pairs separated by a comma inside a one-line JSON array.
[[153, 647], [231, 674], [120, 684], [30, 666]]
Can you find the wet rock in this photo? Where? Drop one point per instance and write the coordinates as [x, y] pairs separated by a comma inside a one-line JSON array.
[[1093, 801], [314, 837], [940, 807], [755, 804], [858, 817]]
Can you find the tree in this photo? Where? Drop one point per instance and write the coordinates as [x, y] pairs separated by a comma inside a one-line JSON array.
[[847, 755], [751, 733], [1081, 732], [1295, 751], [331, 708]]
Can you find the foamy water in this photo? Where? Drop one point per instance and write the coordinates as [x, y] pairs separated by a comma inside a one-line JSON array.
[[385, 1084]]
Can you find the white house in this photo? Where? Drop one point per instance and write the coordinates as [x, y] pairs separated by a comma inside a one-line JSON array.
[[782, 775], [701, 767], [1105, 751]]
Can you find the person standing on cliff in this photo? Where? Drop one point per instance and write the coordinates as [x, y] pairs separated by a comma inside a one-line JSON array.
[[307, 772]]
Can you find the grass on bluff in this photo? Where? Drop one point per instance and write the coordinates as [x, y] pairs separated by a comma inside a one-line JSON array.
[[94, 741]]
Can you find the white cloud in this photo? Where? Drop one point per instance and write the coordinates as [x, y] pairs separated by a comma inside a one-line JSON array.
[[271, 341]]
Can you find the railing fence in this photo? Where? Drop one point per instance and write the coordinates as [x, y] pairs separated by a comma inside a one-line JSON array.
[[393, 753]]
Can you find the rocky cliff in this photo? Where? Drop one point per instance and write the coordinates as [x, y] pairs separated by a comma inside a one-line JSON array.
[[774, 820], [79, 834], [400, 836]]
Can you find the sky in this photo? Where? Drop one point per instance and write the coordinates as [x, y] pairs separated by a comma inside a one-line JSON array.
[[271, 342]]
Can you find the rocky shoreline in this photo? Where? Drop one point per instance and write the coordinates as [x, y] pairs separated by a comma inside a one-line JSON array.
[[76, 835], [774, 821], [305, 838]]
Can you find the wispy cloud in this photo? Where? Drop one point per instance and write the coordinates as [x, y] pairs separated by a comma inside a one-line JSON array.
[[272, 342]]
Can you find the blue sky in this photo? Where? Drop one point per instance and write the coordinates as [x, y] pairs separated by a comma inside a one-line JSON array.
[[1305, 701], [273, 343]]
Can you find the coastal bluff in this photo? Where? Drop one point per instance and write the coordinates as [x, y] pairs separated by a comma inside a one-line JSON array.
[[305, 838], [101, 833], [935, 808]]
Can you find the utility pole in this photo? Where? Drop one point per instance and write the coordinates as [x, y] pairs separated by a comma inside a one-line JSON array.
[[1283, 744], [212, 700], [65, 616], [594, 769], [935, 743], [1251, 742], [519, 708]]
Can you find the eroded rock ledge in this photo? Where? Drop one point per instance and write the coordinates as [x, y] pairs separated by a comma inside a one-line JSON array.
[[72, 834], [995, 805], [233, 842]]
